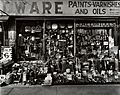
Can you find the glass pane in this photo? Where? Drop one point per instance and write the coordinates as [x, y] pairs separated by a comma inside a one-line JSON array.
[[30, 40]]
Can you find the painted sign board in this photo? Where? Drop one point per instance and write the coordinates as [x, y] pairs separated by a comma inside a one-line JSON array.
[[2, 79], [6, 52], [11, 37], [61, 7]]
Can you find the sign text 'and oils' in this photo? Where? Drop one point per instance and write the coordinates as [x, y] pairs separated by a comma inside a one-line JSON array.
[[97, 7]]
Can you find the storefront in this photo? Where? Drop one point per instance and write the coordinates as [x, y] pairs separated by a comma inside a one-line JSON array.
[[77, 39], [3, 34]]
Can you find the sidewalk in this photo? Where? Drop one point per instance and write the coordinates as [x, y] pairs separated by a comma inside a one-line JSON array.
[[62, 90]]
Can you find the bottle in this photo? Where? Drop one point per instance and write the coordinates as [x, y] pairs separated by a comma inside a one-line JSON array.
[[48, 79]]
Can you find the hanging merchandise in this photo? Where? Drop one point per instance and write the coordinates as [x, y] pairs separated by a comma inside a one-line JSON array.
[[33, 38], [33, 30], [67, 31], [27, 52], [63, 31], [48, 26], [21, 40], [70, 26], [45, 69], [58, 37], [62, 26], [33, 55], [27, 28], [38, 28], [54, 26]]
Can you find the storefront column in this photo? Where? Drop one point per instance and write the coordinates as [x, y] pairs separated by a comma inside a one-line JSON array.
[[74, 39], [12, 37], [44, 38], [3, 35], [119, 43], [3, 28], [116, 33], [1, 69]]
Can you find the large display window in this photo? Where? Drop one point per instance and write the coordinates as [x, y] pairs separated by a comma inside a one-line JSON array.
[[95, 57], [73, 51], [60, 38], [30, 40]]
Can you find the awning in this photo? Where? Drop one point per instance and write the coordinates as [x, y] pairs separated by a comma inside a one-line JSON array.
[[4, 18]]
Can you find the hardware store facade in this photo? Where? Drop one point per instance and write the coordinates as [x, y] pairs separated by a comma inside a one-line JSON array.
[[79, 32]]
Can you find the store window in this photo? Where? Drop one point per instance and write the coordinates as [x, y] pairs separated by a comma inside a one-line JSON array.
[[94, 37], [30, 40], [95, 49], [74, 52], [60, 38]]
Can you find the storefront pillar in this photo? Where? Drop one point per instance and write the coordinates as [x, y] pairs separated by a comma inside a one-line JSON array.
[[74, 38], [1, 71], [3, 31], [119, 42], [44, 39], [3, 34], [11, 37]]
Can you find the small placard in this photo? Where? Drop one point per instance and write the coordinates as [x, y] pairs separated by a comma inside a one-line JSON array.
[[106, 43], [6, 52]]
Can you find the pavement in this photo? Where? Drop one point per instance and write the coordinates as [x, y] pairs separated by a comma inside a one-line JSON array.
[[108, 89]]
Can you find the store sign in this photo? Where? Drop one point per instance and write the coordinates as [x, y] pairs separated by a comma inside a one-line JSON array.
[[95, 24], [2, 79], [61, 7], [6, 52], [12, 37]]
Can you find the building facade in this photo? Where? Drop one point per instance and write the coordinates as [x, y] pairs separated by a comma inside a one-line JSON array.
[[71, 30]]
